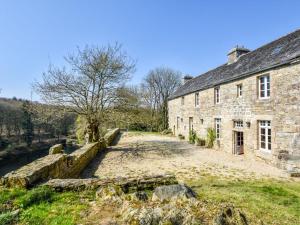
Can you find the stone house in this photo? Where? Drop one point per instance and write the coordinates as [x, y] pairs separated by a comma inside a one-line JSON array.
[[252, 102]]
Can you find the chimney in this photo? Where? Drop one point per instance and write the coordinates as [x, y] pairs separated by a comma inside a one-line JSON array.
[[186, 78], [235, 53]]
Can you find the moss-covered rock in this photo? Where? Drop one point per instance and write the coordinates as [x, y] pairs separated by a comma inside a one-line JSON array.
[[56, 149]]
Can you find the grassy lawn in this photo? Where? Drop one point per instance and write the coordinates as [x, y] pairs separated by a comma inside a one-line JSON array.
[[269, 201], [42, 206]]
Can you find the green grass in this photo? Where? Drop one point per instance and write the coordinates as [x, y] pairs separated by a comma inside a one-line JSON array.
[[267, 200], [270, 201], [43, 206]]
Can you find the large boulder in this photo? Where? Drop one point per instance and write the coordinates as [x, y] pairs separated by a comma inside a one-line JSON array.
[[174, 212], [138, 196], [168, 192], [230, 216], [110, 193], [56, 149]]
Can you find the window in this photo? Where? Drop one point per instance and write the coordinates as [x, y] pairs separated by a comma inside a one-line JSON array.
[[218, 128], [178, 119], [239, 90], [197, 99], [238, 124], [264, 86], [182, 100], [265, 135], [217, 95]]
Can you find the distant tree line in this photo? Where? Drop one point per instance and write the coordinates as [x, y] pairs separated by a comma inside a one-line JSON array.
[[24, 121]]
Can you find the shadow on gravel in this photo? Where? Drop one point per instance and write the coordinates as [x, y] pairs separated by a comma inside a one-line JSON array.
[[138, 150]]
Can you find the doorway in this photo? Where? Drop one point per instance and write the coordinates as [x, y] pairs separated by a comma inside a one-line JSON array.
[[238, 143]]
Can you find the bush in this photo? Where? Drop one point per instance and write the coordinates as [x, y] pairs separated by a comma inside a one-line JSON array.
[[35, 196], [181, 137], [192, 137], [200, 141], [167, 131], [139, 127], [211, 137]]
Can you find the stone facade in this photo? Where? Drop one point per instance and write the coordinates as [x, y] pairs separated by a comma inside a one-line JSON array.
[[282, 109]]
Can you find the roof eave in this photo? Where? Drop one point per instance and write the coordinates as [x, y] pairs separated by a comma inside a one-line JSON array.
[[293, 60]]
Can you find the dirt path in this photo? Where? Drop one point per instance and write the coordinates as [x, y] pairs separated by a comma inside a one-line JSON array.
[[139, 154]]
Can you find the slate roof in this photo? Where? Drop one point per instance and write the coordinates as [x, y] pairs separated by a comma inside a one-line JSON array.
[[276, 53]]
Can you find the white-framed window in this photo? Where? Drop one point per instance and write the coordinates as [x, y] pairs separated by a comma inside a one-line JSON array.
[[196, 99], [239, 90], [218, 128], [182, 100], [238, 124], [264, 87], [217, 95], [265, 135]]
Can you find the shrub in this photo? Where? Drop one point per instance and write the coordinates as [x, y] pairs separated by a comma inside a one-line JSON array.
[[139, 127], [200, 141], [211, 137], [192, 137], [35, 196], [181, 137], [167, 131]]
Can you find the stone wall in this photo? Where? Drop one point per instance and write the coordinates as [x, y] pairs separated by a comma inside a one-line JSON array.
[[282, 109], [57, 165]]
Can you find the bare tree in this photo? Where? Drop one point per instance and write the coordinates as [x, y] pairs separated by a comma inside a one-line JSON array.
[[159, 85], [89, 86]]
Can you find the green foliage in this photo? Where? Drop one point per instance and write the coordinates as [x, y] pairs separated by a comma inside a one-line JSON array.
[[167, 131], [181, 137], [211, 137], [200, 141], [6, 218], [136, 126], [35, 196], [192, 136]]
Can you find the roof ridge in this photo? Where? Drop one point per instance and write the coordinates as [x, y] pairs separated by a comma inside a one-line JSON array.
[[248, 53], [283, 36], [257, 60]]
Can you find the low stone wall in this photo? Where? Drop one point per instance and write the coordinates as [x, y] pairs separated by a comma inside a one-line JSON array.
[[57, 165], [110, 136], [79, 159], [128, 184]]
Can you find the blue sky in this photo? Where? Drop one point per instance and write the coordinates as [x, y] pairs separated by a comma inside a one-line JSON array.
[[187, 35]]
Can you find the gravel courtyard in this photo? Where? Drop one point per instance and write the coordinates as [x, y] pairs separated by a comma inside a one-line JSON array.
[[140, 154]]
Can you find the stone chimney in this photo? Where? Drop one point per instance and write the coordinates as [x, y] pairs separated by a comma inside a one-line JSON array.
[[235, 53], [186, 78]]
